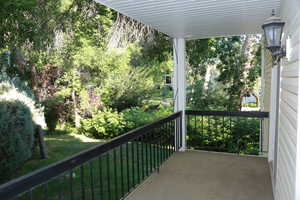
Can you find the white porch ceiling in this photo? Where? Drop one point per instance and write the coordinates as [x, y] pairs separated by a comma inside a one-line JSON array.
[[196, 19]]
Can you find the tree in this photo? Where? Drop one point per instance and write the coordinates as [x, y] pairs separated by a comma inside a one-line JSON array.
[[234, 62]]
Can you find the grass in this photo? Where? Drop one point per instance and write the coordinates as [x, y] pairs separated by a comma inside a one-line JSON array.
[[58, 147], [106, 177]]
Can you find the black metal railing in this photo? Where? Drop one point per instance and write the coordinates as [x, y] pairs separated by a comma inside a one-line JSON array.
[[108, 171], [224, 131]]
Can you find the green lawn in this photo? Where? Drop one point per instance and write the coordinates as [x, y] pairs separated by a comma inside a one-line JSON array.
[[108, 177], [58, 147]]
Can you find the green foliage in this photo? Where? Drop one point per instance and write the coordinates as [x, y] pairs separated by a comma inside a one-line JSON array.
[[52, 110], [198, 57], [19, 116], [108, 123], [235, 135], [15, 90], [129, 90], [210, 97], [16, 136], [136, 117], [103, 125]]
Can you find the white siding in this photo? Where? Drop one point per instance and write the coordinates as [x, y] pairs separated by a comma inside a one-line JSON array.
[[287, 165]]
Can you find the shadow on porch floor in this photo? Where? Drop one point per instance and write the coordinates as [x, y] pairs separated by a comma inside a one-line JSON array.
[[194, 175]]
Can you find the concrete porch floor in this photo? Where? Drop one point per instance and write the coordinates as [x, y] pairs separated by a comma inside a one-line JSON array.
[[195, 175]]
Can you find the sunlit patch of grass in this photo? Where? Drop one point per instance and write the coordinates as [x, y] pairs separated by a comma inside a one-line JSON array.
[[83, 138]]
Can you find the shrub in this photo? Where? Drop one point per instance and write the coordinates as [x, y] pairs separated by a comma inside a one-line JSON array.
[[15, 90], [52, 112], [108, 124], [103, 125], [218, 134], [136, 117], [19, 116], [130, 89], [16, 135]]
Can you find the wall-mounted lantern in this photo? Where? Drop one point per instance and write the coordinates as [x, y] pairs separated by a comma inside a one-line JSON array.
[[273, 28]]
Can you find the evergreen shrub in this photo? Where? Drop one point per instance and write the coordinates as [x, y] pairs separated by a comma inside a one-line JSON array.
[[16, 136], [19, 116]]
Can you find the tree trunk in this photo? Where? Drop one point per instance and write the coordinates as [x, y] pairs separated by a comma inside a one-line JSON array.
[[76, 112]]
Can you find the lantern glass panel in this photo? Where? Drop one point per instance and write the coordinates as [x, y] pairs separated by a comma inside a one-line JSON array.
[[273, 35]]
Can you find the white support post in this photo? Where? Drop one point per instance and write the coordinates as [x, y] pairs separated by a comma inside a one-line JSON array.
[[274, 120], [179, 86]]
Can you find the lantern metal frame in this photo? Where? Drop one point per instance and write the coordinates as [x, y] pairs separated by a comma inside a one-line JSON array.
[[278, 51]]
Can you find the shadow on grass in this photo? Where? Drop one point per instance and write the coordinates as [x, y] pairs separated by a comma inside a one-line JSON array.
[[58, 147]]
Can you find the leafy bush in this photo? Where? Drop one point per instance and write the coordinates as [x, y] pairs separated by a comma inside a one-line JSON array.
[[52, 110], [224, 135], [128, 90], [105, 124], [16, 135], [136, 117], [108, 124]]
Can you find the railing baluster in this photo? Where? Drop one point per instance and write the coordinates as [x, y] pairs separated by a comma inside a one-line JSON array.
[[116, 192], [209, 130], [173, 135], [262, 139], [71, 185], [195, 125], [202, 131], [142, 158], [169, 140], [121, 165], [179, 132], [108, 175], [161, 139], [100, 177], [46, 191], [61, 188], [147, 154], [30, 195], [151, 153], [223, 127], [133, 163], [238, 136], [92, 179], [164, 135], [138, 160], [82, 182], [172, 138], [127, 168], [176, 135], [157, 150]]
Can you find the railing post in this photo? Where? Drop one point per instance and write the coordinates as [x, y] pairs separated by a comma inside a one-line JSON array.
[[179, 86]]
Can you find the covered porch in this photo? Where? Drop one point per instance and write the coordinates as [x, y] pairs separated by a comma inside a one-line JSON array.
[[208, 175], [160, 150]]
